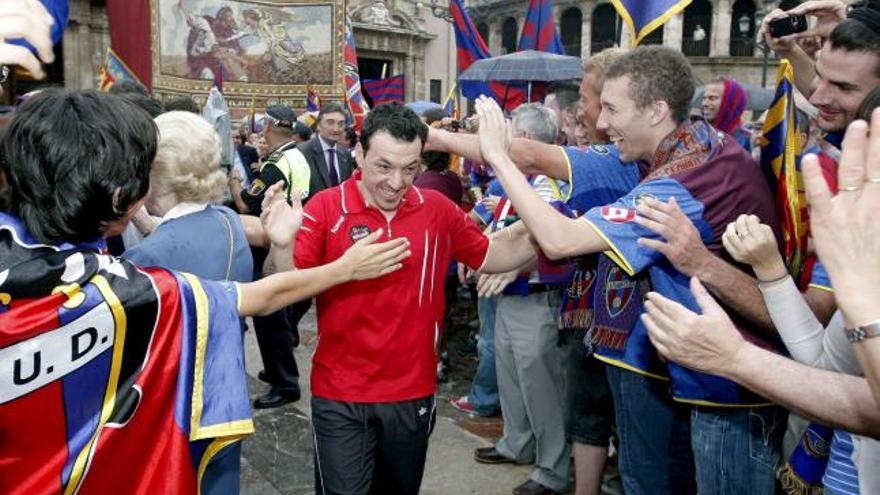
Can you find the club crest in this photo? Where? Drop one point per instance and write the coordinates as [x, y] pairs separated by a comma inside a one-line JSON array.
[[619, 291], [599, 149], [358, 232], [257, 187], [641, 198]]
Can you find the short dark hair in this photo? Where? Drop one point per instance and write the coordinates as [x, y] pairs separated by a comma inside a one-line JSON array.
[[351, 136], [146, 103], [657, 73], [62, 185], [331, 107], [182, 103], [303, 131], [397, 120], [566, 93], [128, 86], [436, 160], [852, 35]]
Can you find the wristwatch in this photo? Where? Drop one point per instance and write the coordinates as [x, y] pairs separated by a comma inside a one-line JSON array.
[[863, 332]]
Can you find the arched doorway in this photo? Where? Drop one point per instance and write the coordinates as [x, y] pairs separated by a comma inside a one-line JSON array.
[[483, 29], [604, 28], [742, 29], [508, 36], [697, 32], [570, 25]]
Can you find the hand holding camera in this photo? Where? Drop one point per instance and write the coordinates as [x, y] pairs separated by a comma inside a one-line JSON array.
[[780, 29]]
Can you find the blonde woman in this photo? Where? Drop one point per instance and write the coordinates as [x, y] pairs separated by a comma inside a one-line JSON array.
[[193, 234]]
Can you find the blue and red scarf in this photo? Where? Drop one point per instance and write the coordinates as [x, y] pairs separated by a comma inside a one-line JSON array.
[[731, 108]]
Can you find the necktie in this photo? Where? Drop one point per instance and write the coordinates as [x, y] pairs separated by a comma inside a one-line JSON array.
[[331, 162]]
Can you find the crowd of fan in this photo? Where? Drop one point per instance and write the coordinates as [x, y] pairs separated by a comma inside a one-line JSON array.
[[633, 292]]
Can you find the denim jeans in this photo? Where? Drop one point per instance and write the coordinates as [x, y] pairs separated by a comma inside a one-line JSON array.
[[654, 431], [484, 391], [737, 450]]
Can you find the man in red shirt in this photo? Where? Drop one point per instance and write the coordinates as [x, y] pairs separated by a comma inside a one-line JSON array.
[[373, 374]]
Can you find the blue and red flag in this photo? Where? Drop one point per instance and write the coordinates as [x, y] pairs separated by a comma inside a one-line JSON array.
[[470, 48], [313, 99], [113, 379], [780, 151], [115, 70], [644, 16], [354, 99], [385, 90], [539, 31]]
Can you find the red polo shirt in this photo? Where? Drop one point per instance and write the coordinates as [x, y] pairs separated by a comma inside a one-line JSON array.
[[377, 338]]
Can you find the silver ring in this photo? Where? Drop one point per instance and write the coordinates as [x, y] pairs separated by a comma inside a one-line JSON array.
[[849, 188]]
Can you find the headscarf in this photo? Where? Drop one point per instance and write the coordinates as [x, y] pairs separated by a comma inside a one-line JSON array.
[[733, 104]]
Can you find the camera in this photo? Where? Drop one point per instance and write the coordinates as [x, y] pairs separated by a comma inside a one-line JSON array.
[[788, 25]]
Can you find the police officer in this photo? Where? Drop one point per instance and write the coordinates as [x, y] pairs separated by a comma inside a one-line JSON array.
[[277, 333], [284, 163]]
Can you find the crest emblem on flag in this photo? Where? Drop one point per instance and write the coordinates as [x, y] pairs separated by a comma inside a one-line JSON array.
[[614, 214], [619, 291]]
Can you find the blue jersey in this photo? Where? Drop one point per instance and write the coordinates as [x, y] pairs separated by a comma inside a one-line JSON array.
[[712, 188], [596, 176]]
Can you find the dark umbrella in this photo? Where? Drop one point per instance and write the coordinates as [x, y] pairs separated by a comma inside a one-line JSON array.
[[526, 66], [758, 98]]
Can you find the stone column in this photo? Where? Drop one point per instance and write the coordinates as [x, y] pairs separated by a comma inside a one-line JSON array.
[[494, 44], [720, 44], [411, 75], [673, 32], [586, 28]]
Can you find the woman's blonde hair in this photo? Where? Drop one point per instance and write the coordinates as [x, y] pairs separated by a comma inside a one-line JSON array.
[[187, 160]]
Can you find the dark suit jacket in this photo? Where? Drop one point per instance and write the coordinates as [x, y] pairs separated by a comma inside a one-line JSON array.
[[317, 159]]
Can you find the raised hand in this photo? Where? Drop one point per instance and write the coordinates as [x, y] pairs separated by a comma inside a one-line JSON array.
[[281, 220], [26, 19], [368, 260], [495, 132], [753, 243], [846, 227]]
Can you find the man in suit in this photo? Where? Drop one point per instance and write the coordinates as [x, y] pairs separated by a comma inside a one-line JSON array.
[[329, 161]]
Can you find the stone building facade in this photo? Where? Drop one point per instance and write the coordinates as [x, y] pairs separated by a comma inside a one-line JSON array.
[[401, 35], [717, 36], [411, 37]]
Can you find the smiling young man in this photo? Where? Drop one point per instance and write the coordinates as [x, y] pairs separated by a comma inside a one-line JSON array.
[[373, 374], [645, 102]]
